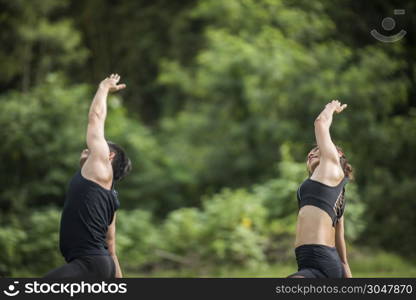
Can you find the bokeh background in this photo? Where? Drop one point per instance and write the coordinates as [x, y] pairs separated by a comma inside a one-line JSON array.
[[217, 118]]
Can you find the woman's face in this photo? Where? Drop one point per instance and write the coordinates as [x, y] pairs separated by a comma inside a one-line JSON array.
[[312, 160]]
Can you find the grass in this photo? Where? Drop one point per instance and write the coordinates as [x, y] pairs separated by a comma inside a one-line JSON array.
[[363, 263]]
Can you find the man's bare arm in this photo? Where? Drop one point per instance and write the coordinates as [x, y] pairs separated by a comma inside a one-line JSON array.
[[98, 167], [111, 244]]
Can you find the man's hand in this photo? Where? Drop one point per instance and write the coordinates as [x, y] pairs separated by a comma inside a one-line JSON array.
[[335, 106], [110, 83]]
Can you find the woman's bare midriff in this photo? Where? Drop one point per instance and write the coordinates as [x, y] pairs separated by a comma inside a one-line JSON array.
[[314, 226]]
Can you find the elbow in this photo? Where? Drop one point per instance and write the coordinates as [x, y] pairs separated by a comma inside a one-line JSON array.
[[94, 116], [320, 122], [112, 252], [111, 247]]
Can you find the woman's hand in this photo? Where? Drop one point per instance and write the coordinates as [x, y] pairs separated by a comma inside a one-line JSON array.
[[347, 270], [110, 83], [335, 106]]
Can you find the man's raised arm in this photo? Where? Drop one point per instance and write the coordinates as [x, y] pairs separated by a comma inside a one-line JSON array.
[[98, 166]]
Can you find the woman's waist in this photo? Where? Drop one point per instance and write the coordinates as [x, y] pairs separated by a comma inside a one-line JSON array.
[[314, 226], [314, 240]]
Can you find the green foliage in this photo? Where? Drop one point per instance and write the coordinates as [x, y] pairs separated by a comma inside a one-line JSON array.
[[254, 87], [369, 264], [43, 224], [30, 246], [217, 119], [43, 133], [376, 263], [229, 229], [10, 241], [150, 31], [355, 221], [137, 238], [39, 41], [235, 227], [279, 193], [155, 182], [41, 140], [183, 231]]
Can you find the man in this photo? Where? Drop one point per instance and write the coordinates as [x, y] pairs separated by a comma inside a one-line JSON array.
[[87, 234]]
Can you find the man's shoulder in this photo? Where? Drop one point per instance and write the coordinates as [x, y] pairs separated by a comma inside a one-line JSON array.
[[103, 179]]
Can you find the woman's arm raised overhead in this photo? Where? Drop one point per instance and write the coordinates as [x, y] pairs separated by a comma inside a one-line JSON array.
[[329, 169], [323, 137]]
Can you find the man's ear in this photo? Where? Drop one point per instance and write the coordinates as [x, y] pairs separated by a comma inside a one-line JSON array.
[[112, 155]]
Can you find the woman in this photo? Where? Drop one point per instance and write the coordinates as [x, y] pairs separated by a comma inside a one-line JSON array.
[[320, 245]]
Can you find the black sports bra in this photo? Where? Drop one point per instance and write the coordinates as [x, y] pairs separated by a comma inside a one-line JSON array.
[[328, 198]]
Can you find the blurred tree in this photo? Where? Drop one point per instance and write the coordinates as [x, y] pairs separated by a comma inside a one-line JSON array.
[[36, 39], [42, 135], [22, 239], [387, 156], [254, 87], [130, 37], [223, 85]]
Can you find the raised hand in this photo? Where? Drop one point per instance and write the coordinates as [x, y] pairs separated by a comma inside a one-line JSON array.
[[336, 106], [111, 83]]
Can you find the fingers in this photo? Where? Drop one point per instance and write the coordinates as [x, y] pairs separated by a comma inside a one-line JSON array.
[[121, 86], [111, 83], [336, 106], [115, 77]]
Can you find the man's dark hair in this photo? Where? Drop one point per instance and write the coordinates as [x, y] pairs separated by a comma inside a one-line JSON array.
[[121, 163]]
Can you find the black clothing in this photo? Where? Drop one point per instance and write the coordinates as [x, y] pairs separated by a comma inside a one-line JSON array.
[[328, 198], [95, 266], [318, 261], [88, 211]]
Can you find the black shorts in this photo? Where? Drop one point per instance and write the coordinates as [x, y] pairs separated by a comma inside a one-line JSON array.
[[94, 267], [318, 261]]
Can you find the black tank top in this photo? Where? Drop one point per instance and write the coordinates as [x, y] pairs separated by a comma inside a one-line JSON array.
[[328, 198], [88, 211]]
